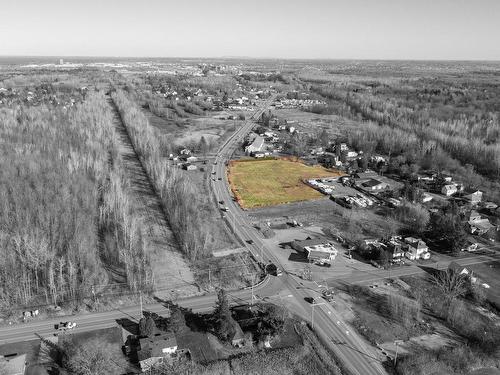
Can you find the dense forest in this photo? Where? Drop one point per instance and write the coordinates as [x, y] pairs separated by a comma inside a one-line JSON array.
[[427, 123], [61, 192]]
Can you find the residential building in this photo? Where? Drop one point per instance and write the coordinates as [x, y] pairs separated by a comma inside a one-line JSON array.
[[475, 197], [461, 270], [395, 248], [449, 190], [256, 146], [374, 185], [480, 226], [416, 249], [155, 349], [474, 216]]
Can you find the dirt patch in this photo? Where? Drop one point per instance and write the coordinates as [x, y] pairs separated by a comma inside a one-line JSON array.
[[171, 271], [351, 224]]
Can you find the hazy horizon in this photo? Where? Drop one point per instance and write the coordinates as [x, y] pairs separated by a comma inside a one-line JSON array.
[[438, 30]]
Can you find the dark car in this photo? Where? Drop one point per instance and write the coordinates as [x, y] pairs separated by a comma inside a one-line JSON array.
[[220, 178], [249, 242], [221, 202], [309, 300]]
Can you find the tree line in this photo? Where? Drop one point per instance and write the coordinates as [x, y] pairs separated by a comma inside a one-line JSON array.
[[176, 192], [61, 188]]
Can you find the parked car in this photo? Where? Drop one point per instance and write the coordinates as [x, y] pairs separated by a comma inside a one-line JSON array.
[[63, 326], [309, 299], [221, 202]]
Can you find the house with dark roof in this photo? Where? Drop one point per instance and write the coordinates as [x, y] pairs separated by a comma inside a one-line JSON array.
[[373, 184], [155, 349]]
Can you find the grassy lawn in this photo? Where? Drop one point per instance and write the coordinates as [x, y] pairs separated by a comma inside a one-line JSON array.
[[258, 183]]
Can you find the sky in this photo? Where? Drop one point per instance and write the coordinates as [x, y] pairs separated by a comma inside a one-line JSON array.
[[303, 29]]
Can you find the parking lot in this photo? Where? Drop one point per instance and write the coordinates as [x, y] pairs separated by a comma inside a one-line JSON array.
[[296, 263]]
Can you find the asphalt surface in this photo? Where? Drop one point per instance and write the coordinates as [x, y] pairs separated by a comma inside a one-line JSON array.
[[356, 356], [93, 321]]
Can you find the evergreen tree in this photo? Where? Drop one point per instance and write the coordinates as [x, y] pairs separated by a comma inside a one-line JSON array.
[[223, 318]]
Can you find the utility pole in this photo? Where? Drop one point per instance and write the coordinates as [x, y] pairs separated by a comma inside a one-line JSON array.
[[140, 299], [396, 342]]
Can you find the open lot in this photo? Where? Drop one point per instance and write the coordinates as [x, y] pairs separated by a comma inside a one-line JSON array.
[[185, 131], [489, 273], [352, 224], [272, 182]]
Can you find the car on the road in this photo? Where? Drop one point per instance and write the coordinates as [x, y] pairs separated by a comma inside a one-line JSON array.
[[323, 264], [220, 178], [327, 294], [62, 326], [221, 202], [215, 162], [249, 242], [225, 209], [214, 172], [309, 300]]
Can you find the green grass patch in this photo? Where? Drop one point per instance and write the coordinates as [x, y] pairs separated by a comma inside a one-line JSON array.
[[258, 183]]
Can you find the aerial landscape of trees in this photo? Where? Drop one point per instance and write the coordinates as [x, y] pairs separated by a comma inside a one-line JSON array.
[[65, 215], [437, 124]]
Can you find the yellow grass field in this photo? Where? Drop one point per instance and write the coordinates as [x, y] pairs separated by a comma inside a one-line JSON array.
[[258, 183]]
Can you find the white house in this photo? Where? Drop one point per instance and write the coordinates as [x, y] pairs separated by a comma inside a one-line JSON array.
[[449, 190], [256, 146], [417, 249]]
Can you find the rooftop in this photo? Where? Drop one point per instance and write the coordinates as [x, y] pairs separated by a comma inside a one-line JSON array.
[[153, 346]]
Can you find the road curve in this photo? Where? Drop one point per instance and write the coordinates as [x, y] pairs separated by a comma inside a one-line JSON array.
[[354, 354]]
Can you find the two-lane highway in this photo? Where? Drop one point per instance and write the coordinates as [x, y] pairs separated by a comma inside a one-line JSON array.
[[356, 356], [93, 321]]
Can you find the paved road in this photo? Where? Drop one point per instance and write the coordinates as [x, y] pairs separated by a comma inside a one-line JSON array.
[[355, 355], [364, 277], [351, 350], [93, 321]]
